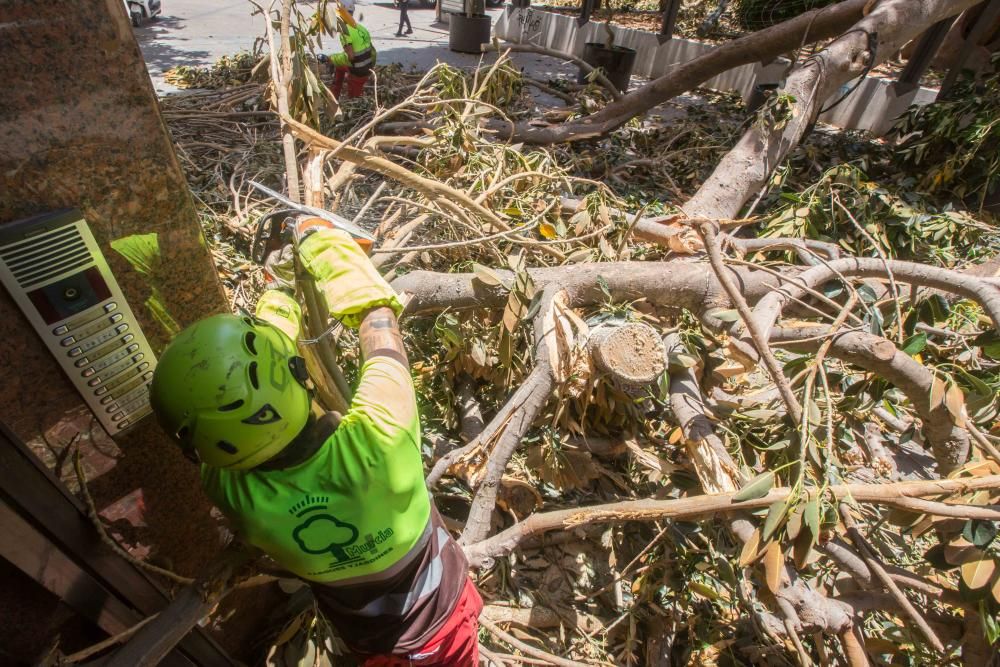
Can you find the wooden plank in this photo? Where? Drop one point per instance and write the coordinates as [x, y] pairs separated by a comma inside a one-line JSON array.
[[33, 491], [35, 555], [157, 638]]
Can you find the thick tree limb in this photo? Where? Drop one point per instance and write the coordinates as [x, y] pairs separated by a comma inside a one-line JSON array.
[[745, 170], [679, 284], [761, 46]]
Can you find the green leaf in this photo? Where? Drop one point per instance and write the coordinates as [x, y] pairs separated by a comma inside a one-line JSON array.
[[915, 344], [989, 341], [758, 487], [980, 533], [775, 515], [730, 315]]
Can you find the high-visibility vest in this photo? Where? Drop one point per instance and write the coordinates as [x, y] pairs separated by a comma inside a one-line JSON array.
[[358, 38]]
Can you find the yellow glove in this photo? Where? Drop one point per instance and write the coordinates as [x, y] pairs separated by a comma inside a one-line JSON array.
[[345, 276]]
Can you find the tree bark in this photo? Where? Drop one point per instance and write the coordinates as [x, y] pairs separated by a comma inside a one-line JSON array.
[[745, 170]]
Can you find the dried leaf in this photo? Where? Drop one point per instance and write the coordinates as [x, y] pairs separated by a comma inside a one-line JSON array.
[[603, 214], [802, 550], [978, 573], [580, 222], [658, 468], [758, 487], [750, 549], [289, 630], [774, 561], [486, 275], [961, 553], [954, 400]]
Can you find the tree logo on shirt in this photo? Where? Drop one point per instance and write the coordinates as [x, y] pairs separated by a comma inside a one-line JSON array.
[[325, 533]]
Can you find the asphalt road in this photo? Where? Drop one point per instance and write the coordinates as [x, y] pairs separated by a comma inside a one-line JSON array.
[[196, 32]]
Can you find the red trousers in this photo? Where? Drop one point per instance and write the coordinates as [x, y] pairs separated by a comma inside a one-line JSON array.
[[456, 644], [355, 84]]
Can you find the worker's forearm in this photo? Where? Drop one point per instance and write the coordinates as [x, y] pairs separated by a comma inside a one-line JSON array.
[[380, 336]]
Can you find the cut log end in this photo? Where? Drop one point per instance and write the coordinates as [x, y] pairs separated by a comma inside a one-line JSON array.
[[631, 353]]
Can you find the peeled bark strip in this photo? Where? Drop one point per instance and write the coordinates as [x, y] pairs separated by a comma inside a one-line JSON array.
[[761, 46], [745, 170]]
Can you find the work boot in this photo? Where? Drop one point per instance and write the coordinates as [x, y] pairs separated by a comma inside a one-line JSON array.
[[409, 32]]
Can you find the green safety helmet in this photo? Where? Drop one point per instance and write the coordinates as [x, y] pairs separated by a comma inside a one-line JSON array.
[[231, 390]]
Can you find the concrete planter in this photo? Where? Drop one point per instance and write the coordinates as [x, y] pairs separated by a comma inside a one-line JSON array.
[[872, 106]]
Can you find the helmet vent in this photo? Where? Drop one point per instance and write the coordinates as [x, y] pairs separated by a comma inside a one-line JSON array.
[[227, 447], [231, 406], [250, 341], [253, 375]]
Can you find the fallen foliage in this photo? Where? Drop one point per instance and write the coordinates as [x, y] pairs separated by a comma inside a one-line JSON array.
[[839, 498]]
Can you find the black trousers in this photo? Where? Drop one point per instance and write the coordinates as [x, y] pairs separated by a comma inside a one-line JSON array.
[[404, 18]]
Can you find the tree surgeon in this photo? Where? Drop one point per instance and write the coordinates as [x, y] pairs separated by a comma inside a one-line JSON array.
[[339, 502], [358, 58]]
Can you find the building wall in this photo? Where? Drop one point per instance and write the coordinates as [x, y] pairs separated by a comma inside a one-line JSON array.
[[80, 127]]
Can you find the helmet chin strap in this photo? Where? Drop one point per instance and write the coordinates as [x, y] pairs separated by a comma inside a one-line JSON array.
[[309, 440]]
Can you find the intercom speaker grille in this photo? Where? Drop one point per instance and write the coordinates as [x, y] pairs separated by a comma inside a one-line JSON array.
[[46, 256]]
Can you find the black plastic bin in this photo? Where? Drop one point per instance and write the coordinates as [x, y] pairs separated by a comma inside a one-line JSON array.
[[617, 63], [467, 34]]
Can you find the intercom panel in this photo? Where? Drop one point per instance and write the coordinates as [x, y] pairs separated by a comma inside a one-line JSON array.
[[55, 271]]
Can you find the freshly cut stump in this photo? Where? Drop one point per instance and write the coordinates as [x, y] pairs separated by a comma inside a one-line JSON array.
[[632, 353]]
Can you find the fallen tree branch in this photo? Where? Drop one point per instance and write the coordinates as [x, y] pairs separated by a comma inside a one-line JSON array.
[[868, 554], [757, 335], [709, 505], [154, 640], [761, 46], [745, 170]]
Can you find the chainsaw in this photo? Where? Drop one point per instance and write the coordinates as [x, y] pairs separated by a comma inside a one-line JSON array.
[[270, 234]]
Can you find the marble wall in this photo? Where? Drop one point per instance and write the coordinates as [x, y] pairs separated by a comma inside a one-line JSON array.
[[80, 127]]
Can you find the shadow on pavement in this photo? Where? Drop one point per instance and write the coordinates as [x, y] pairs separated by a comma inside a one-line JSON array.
[[162, 55]]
